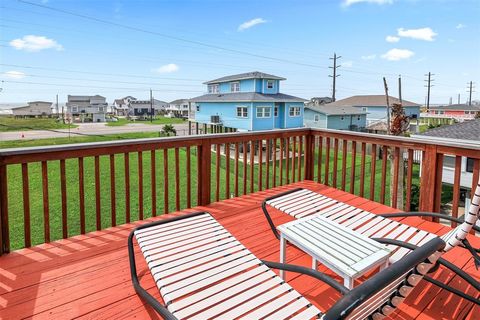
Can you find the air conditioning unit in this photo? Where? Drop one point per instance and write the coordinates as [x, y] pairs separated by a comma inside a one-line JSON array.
[[215, 119]]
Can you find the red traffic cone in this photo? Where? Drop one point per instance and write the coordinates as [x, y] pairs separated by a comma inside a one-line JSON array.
[[23, 136]]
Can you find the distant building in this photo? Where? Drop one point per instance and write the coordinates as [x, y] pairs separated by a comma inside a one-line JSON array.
[[85, 107], [179, 108], [144, 107], [249, 101], [121, 106], [459, 112], [318, 101], [332, 117], [376, 106], [33, 109]]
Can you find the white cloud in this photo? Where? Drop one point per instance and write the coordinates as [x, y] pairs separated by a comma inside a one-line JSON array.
[[426, 34], [347, 3], [167, 68], [392, 39], [369, 57], [34, 43], [347, 64], [251, 23], [460, 26], [14, 74], [398, 54]]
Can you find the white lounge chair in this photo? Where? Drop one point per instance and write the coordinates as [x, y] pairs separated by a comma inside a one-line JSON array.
[[203, 272], [300, 203]]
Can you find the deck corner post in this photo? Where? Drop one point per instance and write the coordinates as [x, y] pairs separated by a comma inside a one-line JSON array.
[[4, 231], [428, 179], [204, 171]]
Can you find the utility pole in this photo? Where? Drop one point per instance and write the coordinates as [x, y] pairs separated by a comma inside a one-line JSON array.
[[458, 102], [429, 85], [151, 106], [470, 90], [400, 88], [335, 75], [56, 105], [450, 101], [388, 105]]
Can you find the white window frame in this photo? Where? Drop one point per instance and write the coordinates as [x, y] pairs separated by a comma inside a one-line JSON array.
[[74, 109], [213, 88], [296, 111], [263, 112], [235, 85], [272, 82], [316, 118], [242, 112], [275, 111]]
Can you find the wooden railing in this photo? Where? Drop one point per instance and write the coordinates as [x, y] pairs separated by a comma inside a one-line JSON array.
[[56, 192]]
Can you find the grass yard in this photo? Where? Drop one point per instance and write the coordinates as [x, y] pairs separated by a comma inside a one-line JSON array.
[[9, 123], [157, 120]]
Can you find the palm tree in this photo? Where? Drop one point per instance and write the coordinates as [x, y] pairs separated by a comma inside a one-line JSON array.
[[167, 129]]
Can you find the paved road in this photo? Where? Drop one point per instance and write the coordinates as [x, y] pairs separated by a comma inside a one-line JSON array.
[[88, 129]]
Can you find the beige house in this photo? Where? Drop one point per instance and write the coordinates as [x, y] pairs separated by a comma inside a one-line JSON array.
[[33, 109]]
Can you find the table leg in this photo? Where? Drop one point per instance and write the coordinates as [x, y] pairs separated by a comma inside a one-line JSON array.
[[314, 263], [348, 282], [283, 244]]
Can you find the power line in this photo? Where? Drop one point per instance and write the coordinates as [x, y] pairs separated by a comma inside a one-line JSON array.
[[335, 75]]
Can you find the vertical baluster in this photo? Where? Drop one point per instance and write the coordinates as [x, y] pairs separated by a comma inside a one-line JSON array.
[[352, 167], [456, 188], [113, 203], [344, 163], [227, 170], [396, 166], [319, 160], [384, 174], [252, 163], [81, 194], [294, 155], [153, 181], [438, 185], [177, 180], [189, 181], [299, 164], [260, 165], [165, 181], [327, 161], [46, 202], [267, 163], [140, 185], [237, 153], [217, 173], [373, 170], [245, 146], [98, 207], [63, 187], [26, 206], [408, 192], [199, 172], [335, 163], [362, 170], [282, 150], [287, 158], [274, 163], [126, 158]]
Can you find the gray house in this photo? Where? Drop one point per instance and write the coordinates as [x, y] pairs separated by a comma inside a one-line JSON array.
[[333, 117], [87, 107], [179, 108], [143, 107], [33, 109]]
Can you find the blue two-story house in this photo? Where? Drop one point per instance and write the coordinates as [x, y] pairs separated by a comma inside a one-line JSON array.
[[249, 102]]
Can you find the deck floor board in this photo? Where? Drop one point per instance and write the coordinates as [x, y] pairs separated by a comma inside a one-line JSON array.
[[87, 276]]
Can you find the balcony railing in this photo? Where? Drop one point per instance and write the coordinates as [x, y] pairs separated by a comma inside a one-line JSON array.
[[55, 192]]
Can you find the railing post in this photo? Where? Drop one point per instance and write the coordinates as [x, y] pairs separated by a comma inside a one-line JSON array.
[[428, 180], [4, 232], [309, 154], [204, 171]]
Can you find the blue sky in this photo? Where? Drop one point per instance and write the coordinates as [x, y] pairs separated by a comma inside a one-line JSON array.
[[120, 48]]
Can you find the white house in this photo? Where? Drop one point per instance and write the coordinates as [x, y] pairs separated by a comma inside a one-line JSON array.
[[33, 109], [83, 107], [121, 106], [179, 108]]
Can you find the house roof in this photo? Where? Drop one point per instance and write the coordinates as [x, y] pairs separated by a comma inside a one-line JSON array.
[[39, 102], [179, 101], [118, 101], [456, 107], [247, 97], [334, 110], [370, 101], [247, 75], [467, 130]]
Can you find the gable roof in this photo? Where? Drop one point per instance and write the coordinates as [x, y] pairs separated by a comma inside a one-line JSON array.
[[334, 110], [456, 107], [247, 75], [247, 97], [370, 101], [179, 101], [467, 130]]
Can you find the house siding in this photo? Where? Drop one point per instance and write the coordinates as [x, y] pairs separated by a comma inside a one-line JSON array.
[[334, 121], [293, 122], [380, 112], [263, 123], [309, 119], [227, 111]]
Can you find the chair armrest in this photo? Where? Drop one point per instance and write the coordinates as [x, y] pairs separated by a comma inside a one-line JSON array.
[[309, 272], [425, 214]]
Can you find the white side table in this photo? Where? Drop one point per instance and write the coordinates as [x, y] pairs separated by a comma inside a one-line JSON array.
[[344, 251]]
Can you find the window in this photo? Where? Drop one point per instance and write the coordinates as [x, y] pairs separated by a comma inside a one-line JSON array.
[[235, 86], [470, 163], [294, 111], [316, 118], [275, 111], [264, 112], [198, 108], [242, 112], [270, 84], [100, 109], [75, 109], [364, 109], [213, 88], [448, 161]]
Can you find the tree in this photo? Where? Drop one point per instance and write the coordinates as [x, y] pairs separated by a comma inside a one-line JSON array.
[[167, 129], [399, 126]]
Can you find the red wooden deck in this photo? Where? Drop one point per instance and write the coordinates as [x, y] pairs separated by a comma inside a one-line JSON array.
[[88, 276]]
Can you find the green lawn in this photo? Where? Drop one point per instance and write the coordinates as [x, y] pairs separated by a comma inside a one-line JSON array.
[[8, 123], [156, 120]]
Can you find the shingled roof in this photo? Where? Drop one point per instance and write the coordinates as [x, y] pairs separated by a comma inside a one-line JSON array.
[[247, 75], [335, 110], [467, 130], [370, 101], [456, 107]]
